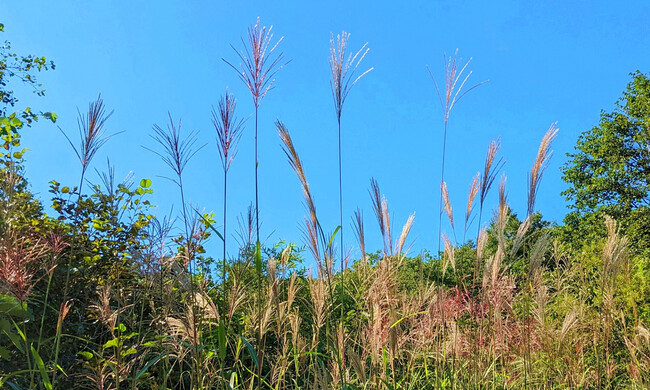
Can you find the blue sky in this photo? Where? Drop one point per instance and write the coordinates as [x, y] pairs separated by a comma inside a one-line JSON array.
[[546, 61]]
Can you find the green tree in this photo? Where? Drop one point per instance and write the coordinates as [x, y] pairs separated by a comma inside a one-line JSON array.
[[21, 68], [609, 171], [609, 174]]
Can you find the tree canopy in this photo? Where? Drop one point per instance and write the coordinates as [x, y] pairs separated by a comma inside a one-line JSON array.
[[16, 67], [611, 164], [609, 171]]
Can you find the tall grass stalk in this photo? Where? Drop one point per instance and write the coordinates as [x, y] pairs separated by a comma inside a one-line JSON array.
[[453, 92], [471, 196], [92, 134], [177, 151], [491, 170], [229, 130], [343, 72], [540, 164], [343, 78], [18, 253], [542, 160], [317, 241], [259, 63]]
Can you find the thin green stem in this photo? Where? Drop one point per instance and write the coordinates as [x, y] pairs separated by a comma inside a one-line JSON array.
[[258, 262], [190, 259], [442, 179], [81, 182], [341, 198], [225, 233], [341, 353], [59, 325], [27, 349], [47, 294], [257, 205]]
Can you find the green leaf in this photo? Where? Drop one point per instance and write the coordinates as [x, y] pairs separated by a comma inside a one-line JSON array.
[[129, 336], [251, 351], [405, 317], [11, 306], [41, 369], [233, 380], [145, 183], [2, 27], [221, 338], [58, 367], [128, 352], [209, 224], [111, 343], [15, 340], [4, 353], [13, 386], [85, 355], [50, 116], [258, 257], [329, 245], [148, 365]]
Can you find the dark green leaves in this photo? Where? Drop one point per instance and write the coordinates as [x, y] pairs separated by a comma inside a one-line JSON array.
[[41, 369], [610, 165], [50, 116], [609, 174]]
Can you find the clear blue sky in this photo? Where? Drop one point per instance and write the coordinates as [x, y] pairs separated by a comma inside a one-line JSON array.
[[546, 61]]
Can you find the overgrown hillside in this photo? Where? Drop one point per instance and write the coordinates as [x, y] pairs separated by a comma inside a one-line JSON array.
[[98, 292]]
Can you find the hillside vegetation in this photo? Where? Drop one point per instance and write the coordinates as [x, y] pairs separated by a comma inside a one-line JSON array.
[[99, 293]]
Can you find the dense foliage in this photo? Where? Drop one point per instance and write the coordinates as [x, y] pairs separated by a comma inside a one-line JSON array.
[[98, 293]]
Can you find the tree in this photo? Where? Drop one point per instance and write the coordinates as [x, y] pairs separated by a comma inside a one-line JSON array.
[[17, 203], [611, 165], [23, 68], [609, 172]]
